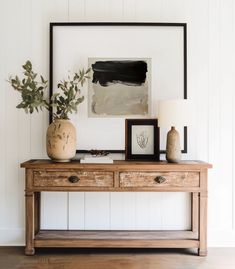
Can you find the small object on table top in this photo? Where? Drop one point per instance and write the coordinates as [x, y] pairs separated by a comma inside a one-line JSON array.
[[98, 153], [96, 159]]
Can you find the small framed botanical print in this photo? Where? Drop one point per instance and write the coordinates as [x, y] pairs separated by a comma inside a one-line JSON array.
[[142, 139]]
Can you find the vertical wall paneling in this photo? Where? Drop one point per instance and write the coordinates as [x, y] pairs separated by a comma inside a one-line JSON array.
[[149, 211], [214, 111], [76, 213], [54, 211], [95, 11], [24, 136], [155, 211], [145, 11], [12, 123], [14, 126], [221, 122], [198, 40], [123, 211], [97, 210], [44, 12], [211, 83], [220, 105], [233, 117], [3, 210], [11, 128], [39, 61], [172, 202], [76, 10], [142, 208], [114, 10], [226, 80], [116, 211], [129, 10]]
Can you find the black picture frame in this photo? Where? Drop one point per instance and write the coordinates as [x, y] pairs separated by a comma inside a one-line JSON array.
[[129, 123], [54, 25]]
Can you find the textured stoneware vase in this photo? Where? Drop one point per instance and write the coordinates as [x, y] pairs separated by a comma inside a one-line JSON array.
[[173, 150], [61, 140]]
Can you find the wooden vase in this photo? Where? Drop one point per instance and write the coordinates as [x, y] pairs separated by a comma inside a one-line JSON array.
[[61, 140], [173, 149]]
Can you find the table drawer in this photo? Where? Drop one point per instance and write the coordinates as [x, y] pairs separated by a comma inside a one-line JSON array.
[[73, 178], [159, 179]]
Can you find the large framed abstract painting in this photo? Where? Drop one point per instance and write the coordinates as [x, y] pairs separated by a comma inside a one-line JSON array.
[[133, 65]]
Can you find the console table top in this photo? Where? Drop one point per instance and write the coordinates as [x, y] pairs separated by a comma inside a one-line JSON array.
[[43, 163]]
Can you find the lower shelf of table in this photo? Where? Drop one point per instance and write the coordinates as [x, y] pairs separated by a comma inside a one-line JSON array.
[[116, 239]]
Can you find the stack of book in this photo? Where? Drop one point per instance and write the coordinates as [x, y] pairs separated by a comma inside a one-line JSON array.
[[96, 159]]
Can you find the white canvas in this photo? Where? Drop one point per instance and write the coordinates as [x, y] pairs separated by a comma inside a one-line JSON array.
[[73, 46]]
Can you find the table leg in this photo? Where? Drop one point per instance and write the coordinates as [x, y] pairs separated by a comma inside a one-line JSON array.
[[37, 197], [194, 211], [29, 206], [202, 251]]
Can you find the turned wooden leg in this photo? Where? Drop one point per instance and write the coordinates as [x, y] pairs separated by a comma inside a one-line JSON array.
[[29, 204], [202, 251]]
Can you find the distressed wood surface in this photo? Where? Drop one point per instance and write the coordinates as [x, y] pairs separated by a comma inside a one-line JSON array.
[[73, 188], [117, 235], [123, 165], [61, 178], [109, 243], [148, 179]]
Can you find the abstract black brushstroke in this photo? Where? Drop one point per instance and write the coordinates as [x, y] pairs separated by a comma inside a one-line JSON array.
[[132, 73]]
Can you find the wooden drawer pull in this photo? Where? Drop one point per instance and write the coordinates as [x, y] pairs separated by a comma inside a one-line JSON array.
[[160, 179], [73, 179]]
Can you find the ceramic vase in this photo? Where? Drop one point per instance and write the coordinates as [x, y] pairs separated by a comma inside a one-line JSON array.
[[61, 140], [173, 149]]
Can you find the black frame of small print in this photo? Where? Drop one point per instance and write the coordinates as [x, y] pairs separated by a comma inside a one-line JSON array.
[[128, 140]]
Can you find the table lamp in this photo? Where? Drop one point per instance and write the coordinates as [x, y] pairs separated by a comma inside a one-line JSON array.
[[173, 114]]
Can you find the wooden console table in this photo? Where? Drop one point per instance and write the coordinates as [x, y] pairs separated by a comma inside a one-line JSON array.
[[45, 175]]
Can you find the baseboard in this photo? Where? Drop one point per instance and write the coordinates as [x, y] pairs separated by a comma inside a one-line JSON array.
[[12, 237]]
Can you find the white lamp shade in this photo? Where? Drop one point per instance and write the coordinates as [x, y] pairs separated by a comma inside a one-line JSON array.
[[173, 113]]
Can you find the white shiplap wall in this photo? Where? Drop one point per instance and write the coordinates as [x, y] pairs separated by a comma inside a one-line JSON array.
[[211, 66]]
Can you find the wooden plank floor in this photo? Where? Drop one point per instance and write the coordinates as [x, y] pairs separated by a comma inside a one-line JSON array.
[[218, 258]]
